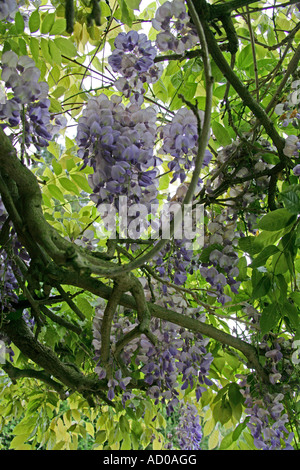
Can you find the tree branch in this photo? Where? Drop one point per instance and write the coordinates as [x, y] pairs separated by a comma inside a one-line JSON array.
[[14, 374], [21, 335], [243, 91], [100, 289]]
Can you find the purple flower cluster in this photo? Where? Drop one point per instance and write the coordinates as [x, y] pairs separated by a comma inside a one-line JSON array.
[[177, 33], [179, 356], [8, 9], [180, 139], [118, 142], [266, 418], [133, 58], [263, 403], [174, 261], [221, 269], [189, 430], [29, 105]]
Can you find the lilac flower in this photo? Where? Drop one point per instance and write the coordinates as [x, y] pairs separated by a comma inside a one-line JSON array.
[[8, 9], [296, 170], [189, 431], [133, 58], [178, 355], [176, 32], [292, 146], [265, 409], [29, 104], [180, 140], [118, 142], [274, 354]]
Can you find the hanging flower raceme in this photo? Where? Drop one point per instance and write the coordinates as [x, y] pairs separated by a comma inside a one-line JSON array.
[[176, 32], [266, 418], [189, 430], [180, 139], [118, 141], [29, 105], [178, 354], [133, 58]]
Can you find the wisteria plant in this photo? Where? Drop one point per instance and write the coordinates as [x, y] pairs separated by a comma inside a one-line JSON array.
[[149, 236]]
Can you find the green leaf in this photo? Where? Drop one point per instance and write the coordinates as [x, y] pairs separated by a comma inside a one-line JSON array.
[[34, 21], [164, 182], [85, 307], [125, 14], [25, 426], [81, 181], [234, 394], [221, 133], [276, 220], [261, 288], [55, 52], [18, 442], [133, 4], [222, 411], [281, 283], [22, 46], [292, 313], [268, 319], [126, 443], [105, 10], [160, 91], [245, 57], [59, 27], [295, 296], [213, 439], [45, 50], [226, 441], [66, 46], [242, 267], [261, 259], [34, 45], [100, 437], [56, 192], [19, 23], [124, 425], [56, 167], [280, 263], [250, 245], [14, 315], [189, 90], [68, 185], [291, 201], [239, 429], [47, 23]]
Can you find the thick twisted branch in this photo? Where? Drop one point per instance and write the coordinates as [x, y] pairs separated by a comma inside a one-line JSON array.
[[14, 374], [102, 290]]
